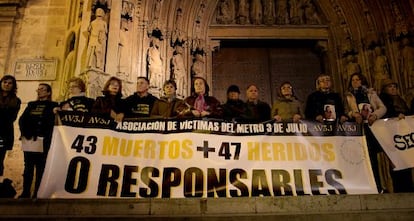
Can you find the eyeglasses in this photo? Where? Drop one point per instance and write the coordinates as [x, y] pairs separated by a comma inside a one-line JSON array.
[[286, 87]]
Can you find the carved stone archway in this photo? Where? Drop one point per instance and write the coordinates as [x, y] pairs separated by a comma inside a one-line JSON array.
[[343, 28]]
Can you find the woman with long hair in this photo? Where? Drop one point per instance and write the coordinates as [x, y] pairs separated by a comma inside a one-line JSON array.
[[9, 108], [363, 105]]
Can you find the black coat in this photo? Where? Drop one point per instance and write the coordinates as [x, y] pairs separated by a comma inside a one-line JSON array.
[[317, 100], [9, 108], [38, 120]]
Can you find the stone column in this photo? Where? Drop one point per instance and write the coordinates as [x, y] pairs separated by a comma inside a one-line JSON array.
[[113, 38]]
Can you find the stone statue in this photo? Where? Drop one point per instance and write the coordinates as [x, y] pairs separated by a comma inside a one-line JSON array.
[[178, 35], [154, 60], [256, 12], [269, 13], [243, 12], [96, 51], [295, 12], [197, 42], [179, 72], [311, 16], [198, 68], [381, 68], [407, 63], [124, 48], [281, 12], [156, 13], [70, 59], [225, 14], [104, 4], [127, 8], [351, 67], [69, 66]]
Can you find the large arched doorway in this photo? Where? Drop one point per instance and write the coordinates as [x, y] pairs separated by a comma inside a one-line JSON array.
[[266, 63]]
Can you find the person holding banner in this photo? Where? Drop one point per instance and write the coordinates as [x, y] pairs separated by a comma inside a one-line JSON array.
[[200, 103], [324, 104], [396, 108], [111, 104], [287, 107], [9, 107], [360, 98], [36, 127], [256, 110], [169, 105], [140, 104], [77, 97], [234, 108]]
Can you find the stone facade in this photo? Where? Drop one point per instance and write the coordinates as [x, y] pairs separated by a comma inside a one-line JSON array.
[[52, 29]]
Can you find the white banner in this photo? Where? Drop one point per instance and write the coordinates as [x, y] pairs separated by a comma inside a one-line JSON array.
[[102, 163], [397, 139]]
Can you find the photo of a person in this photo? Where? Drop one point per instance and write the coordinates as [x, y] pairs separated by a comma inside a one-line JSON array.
[[329, 112], [365, 110]]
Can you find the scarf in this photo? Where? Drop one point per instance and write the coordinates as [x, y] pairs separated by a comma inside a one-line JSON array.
[[361, 95], [200, 103]]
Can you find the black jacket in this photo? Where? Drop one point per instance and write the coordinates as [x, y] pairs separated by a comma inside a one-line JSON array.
[[138, 107], [9, 107], [317, 100], [38, 120]]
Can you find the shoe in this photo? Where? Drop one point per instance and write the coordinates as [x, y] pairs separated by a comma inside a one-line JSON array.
[[24, 196]]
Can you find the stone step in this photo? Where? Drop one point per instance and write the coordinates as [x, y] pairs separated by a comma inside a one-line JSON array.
[[387, 207]]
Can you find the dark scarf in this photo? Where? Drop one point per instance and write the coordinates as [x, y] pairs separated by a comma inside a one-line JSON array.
[[361, 94]]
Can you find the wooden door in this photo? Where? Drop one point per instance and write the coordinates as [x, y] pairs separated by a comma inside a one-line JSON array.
[[266, 63]]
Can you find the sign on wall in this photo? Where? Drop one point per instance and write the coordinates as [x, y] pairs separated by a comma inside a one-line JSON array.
[[35, 69]]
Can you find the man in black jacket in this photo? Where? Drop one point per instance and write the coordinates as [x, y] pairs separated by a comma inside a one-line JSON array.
[[322, 98]]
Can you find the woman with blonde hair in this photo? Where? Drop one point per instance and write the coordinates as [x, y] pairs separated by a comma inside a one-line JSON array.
[[78, 101]]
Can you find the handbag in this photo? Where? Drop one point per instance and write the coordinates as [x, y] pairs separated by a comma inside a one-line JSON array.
[[31, 145]]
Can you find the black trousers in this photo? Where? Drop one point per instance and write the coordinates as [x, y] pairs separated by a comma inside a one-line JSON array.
[[33, 161], [373, 149]]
